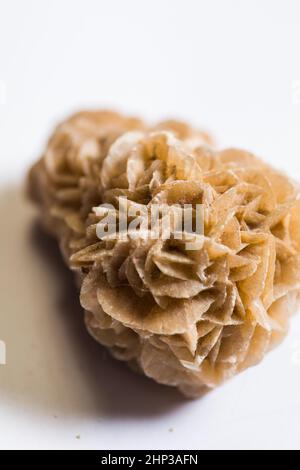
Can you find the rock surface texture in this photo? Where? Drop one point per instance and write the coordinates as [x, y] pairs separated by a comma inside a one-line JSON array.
[[189, 318]]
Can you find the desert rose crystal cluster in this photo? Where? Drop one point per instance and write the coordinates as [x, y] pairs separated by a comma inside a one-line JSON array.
[[187, 317]]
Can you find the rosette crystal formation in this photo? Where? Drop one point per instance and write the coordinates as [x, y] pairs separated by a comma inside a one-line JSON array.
[[189, 318]]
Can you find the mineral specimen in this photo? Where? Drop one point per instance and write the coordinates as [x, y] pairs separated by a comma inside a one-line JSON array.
[[187, 317]]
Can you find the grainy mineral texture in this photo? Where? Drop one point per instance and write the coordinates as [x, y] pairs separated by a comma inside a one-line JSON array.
[[189, 311]]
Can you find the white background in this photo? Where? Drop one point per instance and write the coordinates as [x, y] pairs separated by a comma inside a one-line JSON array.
[[230, 66]]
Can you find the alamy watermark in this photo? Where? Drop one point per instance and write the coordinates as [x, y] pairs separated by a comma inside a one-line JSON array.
[[156, 221], [3, 92], [2, 353], [296, 92], [296, 353]]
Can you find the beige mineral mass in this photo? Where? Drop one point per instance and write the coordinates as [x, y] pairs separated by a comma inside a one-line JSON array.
[[190, 318]]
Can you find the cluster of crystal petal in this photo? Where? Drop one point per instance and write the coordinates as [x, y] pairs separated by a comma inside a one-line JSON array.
[[190, 318]]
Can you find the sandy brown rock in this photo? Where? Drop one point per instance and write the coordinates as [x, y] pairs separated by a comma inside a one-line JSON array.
[[187, 318]]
